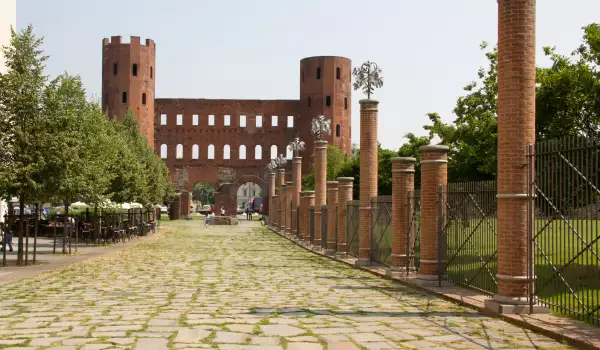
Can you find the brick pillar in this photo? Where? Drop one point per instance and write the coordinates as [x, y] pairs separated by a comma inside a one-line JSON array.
[[283, 208], [310, 201], [301, 214], [345, 188], [280, 195], [271, 184], [516, 130], [320, 185], [275, 211], [288, 207], [296, 188], [332, 204], [368, 175], [403, 181], [185, 205], [434, 172]]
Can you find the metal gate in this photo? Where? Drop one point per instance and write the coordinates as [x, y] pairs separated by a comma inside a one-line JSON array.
[[565, 232], [352, 224], [324, 219], [311, 223], [381, 229], [413, 238], [467, 235]]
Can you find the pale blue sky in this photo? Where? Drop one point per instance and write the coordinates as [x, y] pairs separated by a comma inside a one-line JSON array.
[[428, 49]]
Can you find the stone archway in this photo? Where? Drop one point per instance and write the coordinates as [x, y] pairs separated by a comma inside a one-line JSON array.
[[226, 193]]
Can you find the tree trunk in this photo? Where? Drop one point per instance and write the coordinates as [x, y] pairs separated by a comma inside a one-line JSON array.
[[35, 233], [26, 242], [21, 228], [65, 229]]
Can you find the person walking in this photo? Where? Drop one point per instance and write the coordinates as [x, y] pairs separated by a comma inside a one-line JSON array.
[[7, 237]]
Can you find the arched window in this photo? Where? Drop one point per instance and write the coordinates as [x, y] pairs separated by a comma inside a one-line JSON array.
[[179, 151], [318, 72], [242, 152], [124, 97], [134, 70], [273, 151], [308, 101], [163, 151], [226, 152], [151, 72], [338, 73], [258, 152], [345, 102], [337, 130], [144, 98], [114, 69], [211, 151], [289, 152], [195, 152]]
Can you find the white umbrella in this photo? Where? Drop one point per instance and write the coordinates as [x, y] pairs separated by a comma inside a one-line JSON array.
[[78, 205]]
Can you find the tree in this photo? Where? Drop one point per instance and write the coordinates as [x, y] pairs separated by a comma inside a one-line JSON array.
[[568, 93], [335, 161], [76, 145], [21, 92], [204, 192]]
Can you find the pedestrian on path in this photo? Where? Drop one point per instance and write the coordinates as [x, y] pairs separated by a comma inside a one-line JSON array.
[[7, 236]]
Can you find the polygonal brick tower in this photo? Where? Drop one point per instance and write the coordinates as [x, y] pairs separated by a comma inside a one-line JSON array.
[[326, 89], [128, 81]]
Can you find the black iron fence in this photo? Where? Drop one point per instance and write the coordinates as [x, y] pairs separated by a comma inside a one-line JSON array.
[[468, 236], [381, 229], [352, 223], [413, 238], [565, 232]]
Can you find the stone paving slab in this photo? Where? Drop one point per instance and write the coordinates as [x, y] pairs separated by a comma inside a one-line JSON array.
[[236, 288]]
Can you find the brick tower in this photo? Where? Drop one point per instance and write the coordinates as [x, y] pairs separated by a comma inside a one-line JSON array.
[[128, 81], [326, 88]]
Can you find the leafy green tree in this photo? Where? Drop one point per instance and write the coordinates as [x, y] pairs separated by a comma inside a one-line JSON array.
[[21, 122], [568, 93], [76, 142], [204, 192], [335, 162]]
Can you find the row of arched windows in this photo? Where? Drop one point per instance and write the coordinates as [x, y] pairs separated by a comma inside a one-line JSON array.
[[226, 152]]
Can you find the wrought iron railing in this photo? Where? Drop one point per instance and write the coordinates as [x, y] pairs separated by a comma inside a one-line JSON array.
[[352, 224], [413, 238], [566, 231], [381, 230], [468, 236]]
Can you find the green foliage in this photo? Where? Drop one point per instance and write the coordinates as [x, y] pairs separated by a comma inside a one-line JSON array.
[[204, 192], [21, 117], [335, 161], [568, 93]]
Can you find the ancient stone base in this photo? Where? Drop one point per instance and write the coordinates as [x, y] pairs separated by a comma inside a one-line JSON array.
[[362, 262], [513, 309], [225, 220], [329, 252]]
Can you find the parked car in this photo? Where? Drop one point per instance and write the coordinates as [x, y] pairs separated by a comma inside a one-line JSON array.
[[164, 209], [205, 210], [240, 210]]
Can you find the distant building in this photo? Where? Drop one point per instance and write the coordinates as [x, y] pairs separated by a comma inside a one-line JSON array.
[[247, 191], [8, 18]]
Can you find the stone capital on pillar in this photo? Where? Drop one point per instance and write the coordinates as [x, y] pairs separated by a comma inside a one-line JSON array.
[[434, 173], [403, 179], [368, 175]]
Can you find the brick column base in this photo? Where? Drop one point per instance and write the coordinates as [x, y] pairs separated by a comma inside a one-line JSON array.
[[345, 188], [332, 206], [310, 202]]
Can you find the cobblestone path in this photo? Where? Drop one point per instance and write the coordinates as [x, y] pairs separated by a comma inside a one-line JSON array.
[[235, 288]]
